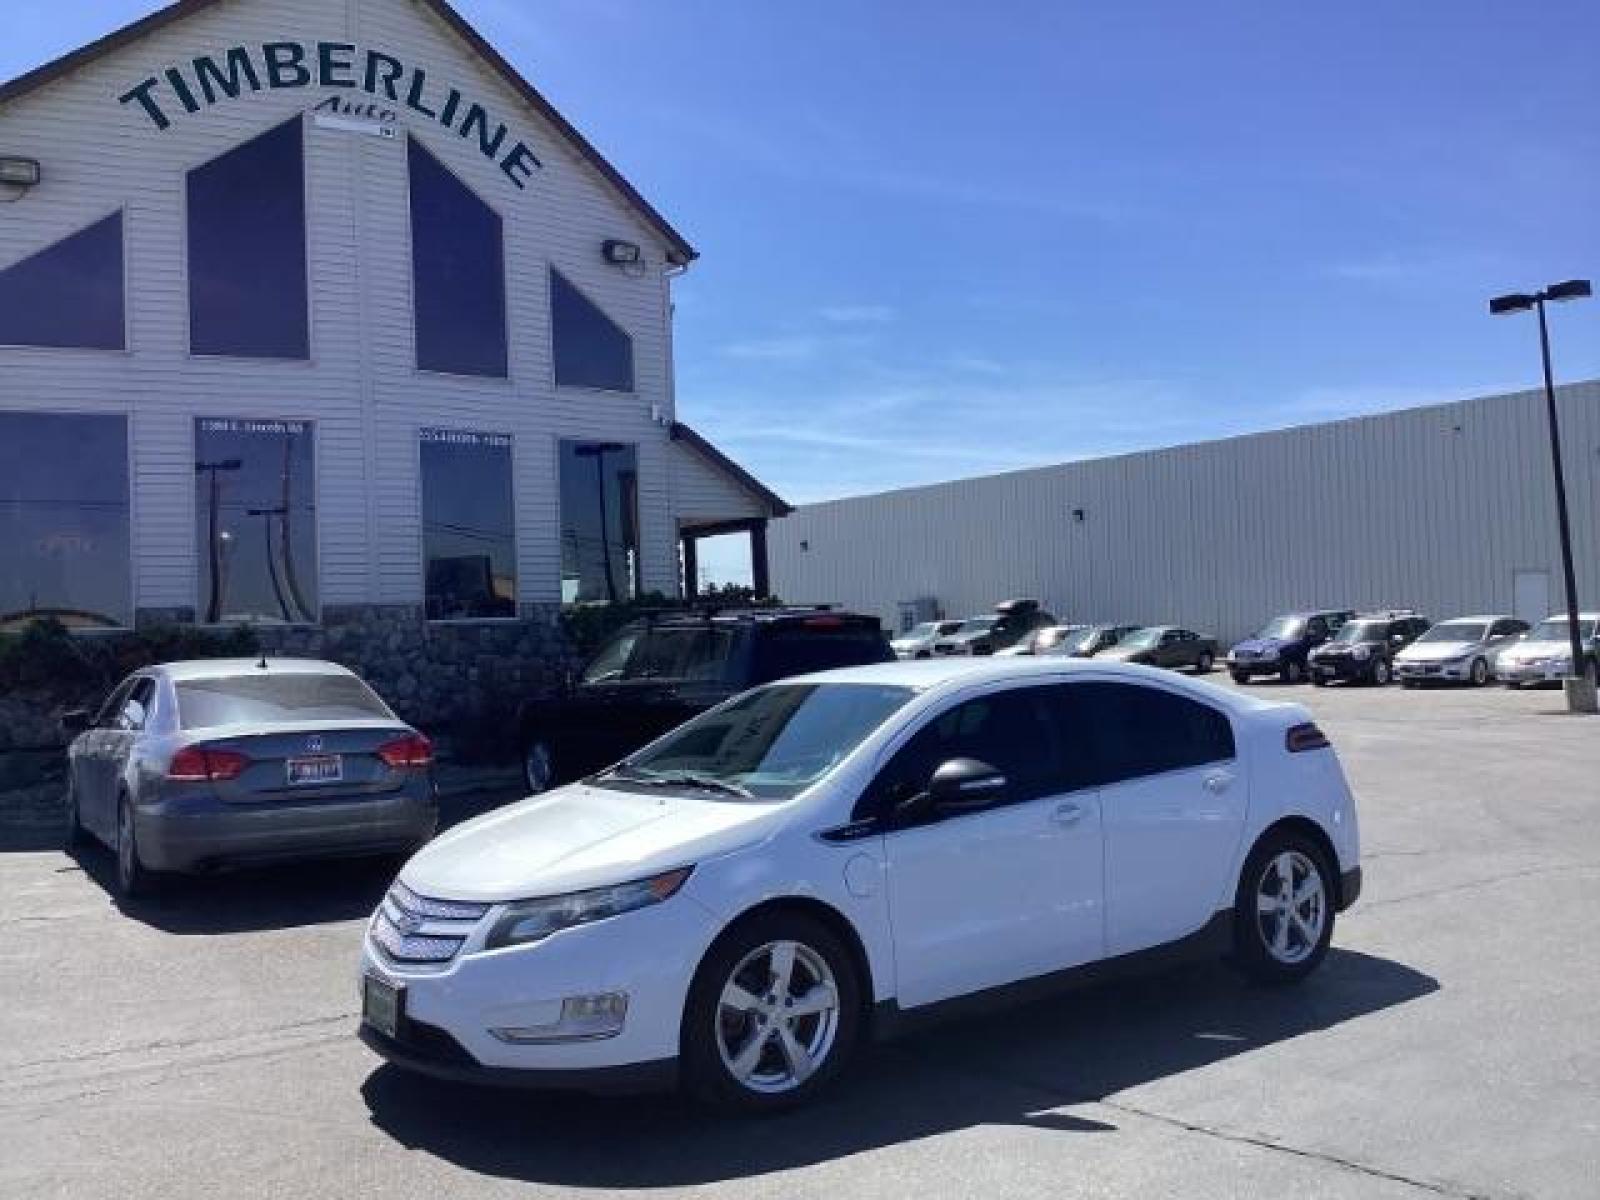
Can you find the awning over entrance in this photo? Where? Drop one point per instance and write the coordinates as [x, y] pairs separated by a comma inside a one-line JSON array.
[[714, 495]]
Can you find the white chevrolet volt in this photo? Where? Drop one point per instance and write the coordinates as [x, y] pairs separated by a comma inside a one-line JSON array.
[[835, 856]]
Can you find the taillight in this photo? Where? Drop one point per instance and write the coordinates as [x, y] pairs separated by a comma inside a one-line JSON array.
[[413, 750], [196, 764], [1305, 737]]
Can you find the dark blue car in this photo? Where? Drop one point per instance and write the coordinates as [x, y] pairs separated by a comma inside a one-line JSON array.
[[1281, 646]]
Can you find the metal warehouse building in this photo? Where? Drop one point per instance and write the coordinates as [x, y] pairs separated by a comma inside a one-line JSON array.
[[1448, 509], [315, 315]]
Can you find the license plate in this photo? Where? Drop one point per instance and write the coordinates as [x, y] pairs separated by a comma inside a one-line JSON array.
[[381, 1003], [321, 768]]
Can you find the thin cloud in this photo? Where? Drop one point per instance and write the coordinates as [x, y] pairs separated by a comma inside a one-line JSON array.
[[857, 314], [775, 349]]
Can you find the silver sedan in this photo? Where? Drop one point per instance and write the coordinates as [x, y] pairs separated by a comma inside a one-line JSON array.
[[1462, 650], [190, 766]]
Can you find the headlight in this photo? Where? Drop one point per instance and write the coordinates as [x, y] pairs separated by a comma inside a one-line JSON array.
[[1361, 652], [534, 920]]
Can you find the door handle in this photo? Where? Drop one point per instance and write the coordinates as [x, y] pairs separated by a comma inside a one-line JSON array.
[[1217, 782], [1067, 814]]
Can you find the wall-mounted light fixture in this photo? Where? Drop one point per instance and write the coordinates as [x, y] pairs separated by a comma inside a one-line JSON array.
[[1077, 515], [619, 253], [17, 175]]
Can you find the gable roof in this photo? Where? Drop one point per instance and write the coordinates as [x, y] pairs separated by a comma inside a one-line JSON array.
[[679, 432], [679, 250]]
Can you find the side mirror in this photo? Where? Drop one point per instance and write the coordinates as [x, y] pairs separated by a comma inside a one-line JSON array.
[[75, 720], [965, 784]]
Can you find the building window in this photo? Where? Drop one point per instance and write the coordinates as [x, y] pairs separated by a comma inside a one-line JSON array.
[[64, 544], [469, 544], [457, 273], [599, 522], [247, 249], [68, 295], [591, 350], [255, 520]]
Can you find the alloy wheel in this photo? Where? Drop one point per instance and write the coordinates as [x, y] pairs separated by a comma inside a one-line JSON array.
[[1480, 672], [1380, 672], [777, 1017], [538, 766], [127, 850], [1291, 907]]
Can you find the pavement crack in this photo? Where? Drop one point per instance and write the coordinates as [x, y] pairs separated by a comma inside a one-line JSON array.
[[1263, 1142], [64, 1060]]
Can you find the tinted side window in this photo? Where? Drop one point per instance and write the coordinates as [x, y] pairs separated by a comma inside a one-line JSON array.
[[1011, 731], [1317, 628], [135, 709], [1130, 731], [113, 705]]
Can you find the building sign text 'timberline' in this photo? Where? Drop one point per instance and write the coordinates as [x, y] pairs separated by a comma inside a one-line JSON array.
[[278, 65]]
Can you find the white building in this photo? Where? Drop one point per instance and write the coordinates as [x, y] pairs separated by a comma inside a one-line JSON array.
[[1448, 509], [315, 309]]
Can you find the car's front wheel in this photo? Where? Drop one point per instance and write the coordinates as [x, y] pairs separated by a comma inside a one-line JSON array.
[[1293, 671], [773, 1014], [1283, 910], [538, 765], [1479, 673], [77, 835], [1203, 665], [1381, 672], [1240, 678]]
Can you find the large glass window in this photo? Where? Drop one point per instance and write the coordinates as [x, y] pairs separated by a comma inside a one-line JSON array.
[[67, 295], [468, 539], [457, 272], [591, 350], [256, 520], [599, 521], [64, 548], [247, 249]]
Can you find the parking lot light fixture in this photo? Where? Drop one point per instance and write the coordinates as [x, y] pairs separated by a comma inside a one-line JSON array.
[[1580, 688]]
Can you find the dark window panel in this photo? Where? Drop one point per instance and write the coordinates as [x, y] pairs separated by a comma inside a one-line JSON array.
[[247, 249], [68, 295], [599, 521], [457, 271], [591, 350], [255, 520], [64, 543], [468, 525]]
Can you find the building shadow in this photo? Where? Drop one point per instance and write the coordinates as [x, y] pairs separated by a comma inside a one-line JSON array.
[[1015, 1069]]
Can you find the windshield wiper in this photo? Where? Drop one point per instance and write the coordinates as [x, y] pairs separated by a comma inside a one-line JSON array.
[[694, 779]]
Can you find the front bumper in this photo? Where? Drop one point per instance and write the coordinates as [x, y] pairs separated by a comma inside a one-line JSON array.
[[194, 833], [1349, 888], [1341, 668], [430, 1051], [448, 1010], [1254, 666], [1539, 671], [1455, 671]]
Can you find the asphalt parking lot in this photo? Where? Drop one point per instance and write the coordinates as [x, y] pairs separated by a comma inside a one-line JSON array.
[[202, 1045]]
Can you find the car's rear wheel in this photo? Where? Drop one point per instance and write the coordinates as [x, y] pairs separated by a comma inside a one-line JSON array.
[[1240, 677], [1479, 673], [1293, 672], [77, 835], [134, 879], [538, 765], [773, 1014], [1203, 665], [1283, 910]]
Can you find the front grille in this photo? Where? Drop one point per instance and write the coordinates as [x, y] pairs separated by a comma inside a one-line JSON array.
[[409, 928]]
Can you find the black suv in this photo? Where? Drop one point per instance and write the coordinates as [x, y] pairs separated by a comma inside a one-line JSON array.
[[659, 671], [1364, 648]]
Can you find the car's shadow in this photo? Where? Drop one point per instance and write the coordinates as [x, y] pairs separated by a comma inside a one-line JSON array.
[[319, 892], [1018, 1069]]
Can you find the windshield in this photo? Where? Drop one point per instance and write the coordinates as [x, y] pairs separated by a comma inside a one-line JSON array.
[[1361, 631], [770, 743], [247, 699], [1074, 641], [1554, 629], [1283, 627], [1054, 637], [917, 632], [1140, 638], [1457, 631], [667, 652], [978, 625]]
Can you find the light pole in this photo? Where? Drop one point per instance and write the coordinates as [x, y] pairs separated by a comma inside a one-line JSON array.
[[1580, 689], [213, 538], [598, 452]]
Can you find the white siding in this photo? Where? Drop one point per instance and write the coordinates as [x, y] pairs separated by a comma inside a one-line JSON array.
[[1434, 508], [703, 493], [361, 387]]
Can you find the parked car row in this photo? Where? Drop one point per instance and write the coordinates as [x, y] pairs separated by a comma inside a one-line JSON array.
[[1339, 645]]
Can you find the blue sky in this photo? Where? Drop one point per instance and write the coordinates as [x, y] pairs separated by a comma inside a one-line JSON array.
[[943, 239]]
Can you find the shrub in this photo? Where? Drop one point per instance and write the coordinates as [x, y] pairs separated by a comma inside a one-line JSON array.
[[45, 657]]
